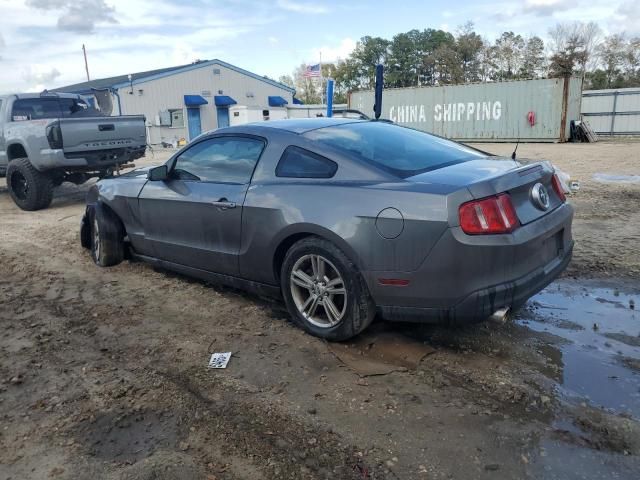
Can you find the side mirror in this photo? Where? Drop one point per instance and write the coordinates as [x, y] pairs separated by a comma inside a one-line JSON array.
[[158, 173]]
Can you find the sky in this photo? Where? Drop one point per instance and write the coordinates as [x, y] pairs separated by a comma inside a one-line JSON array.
[[41, 40]]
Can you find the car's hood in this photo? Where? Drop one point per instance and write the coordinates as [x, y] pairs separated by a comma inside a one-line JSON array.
[[466, 173]]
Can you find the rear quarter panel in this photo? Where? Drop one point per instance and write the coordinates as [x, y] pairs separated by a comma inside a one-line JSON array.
[[341, 210]]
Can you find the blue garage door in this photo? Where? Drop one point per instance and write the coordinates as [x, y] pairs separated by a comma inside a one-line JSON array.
[[195, 127], [223, 117]]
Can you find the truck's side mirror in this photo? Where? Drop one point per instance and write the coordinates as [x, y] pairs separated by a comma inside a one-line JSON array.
[[158, 173]]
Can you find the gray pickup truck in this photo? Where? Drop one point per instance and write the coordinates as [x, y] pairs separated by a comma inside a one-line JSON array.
[[50, 138]]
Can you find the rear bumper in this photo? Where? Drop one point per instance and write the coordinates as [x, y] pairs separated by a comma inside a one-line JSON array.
[[90, 160], [467, 278], [481, 304]]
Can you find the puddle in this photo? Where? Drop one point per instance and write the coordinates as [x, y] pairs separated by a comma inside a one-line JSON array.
[[609, 178], [601, 342], [556, 459]]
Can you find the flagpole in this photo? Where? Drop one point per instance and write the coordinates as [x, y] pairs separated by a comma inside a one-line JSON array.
[[321, 81]]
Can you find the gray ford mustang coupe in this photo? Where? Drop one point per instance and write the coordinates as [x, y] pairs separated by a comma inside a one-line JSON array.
[[344, 219]]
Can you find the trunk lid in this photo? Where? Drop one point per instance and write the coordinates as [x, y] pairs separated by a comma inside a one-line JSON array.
[[494, 175], [86, 134]]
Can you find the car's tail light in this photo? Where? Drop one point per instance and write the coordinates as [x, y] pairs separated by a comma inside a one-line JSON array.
[[557, 186], [54, 136], [488, 216]]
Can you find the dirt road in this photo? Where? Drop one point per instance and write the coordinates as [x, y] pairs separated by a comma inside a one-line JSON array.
[[103, 371]]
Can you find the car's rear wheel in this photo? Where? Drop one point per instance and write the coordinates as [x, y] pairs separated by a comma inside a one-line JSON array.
[[107, 236], [324, 292], [29, 188]]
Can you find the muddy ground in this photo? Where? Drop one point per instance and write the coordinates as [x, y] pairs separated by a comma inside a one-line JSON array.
[[103, 371]]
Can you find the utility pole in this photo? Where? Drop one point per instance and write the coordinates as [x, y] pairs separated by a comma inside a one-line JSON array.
[[86, 65]]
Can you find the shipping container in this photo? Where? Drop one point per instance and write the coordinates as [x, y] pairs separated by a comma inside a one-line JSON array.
[[612, 112], [525, 110]]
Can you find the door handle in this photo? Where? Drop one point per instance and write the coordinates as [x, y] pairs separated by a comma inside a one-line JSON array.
[[224, 204]]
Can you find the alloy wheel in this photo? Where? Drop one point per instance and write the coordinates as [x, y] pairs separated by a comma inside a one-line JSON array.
[[318, 291]]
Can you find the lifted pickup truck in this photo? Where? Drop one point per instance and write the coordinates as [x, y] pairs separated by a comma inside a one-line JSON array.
[[50, 138]]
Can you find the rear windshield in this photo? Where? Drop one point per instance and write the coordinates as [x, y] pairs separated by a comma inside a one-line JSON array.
[[401, 151], [49, 107]]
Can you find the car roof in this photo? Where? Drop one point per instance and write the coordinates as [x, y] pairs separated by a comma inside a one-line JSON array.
[[302, 125], [40, 95]]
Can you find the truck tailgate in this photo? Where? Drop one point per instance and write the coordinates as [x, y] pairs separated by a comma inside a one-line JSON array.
[[86, 134]]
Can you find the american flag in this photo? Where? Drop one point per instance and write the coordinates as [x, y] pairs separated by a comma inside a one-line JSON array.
[[312, 71]]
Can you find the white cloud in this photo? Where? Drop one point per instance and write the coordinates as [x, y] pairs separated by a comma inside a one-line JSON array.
[[273, 40], [150, 34], [302, 7], [80, 16], [628, 17], [546, 7], [38, 77], [335, 52]]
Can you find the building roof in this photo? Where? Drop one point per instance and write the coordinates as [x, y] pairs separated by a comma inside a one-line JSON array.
[[85, 87], [121, 81]]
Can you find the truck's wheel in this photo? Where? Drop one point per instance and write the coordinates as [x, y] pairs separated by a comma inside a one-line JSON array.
[[324, 291], [107, 236], [29, 188]]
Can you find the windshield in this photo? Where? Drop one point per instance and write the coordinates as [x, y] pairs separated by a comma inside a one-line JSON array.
[[402, 151]]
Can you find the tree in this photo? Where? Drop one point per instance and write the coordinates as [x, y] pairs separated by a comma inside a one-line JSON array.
[[307, 89], [534, 60], [436, 57], [573, 46], [287, 80], [469, 46], [509, 55], [632, 62], [486, 59], [404, 60], [369, 52], [591, 36], [340, 88], [612, 53], [435, 47]]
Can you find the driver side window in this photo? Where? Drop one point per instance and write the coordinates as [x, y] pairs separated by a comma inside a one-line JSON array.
[[220, 160]]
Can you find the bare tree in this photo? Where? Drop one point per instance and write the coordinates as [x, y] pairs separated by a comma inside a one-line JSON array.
[[578, 37], [509, 55], [612, 53]]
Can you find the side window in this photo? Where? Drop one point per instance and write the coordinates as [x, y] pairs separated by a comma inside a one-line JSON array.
[[35, 109], [221, 160], [297, 162], [73, 107]]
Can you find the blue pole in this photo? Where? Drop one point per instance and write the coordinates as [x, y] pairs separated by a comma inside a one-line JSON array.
[[329, 98]]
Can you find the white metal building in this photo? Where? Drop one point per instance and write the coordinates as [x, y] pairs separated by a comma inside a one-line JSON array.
[[614, 111], [182, 102]]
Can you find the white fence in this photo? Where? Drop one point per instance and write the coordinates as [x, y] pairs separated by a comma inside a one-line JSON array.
[[612, 112]]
